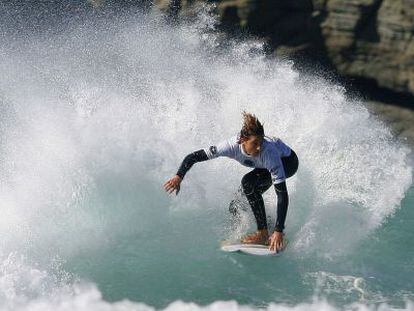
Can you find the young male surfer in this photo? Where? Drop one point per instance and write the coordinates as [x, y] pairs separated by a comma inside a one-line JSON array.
[[273, 161]]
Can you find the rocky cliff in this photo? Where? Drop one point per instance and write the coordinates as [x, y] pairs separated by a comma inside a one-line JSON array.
[[368, 39], [372, 39]]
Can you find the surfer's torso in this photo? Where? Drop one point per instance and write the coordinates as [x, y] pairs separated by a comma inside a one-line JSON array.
[[271, 152]]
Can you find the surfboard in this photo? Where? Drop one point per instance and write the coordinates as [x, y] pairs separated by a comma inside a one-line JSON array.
[[251, 249]]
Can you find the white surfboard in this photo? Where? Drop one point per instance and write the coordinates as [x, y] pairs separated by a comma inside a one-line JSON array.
[[251, 249]]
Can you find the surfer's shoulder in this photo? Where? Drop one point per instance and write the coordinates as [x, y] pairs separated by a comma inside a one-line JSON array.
[[269, 144], [276, 142], [227, 147]]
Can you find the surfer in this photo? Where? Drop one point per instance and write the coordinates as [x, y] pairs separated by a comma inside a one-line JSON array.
[[273, 161]]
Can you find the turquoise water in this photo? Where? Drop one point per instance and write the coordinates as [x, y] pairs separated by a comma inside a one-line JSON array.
[[94, 119], [195, 270]]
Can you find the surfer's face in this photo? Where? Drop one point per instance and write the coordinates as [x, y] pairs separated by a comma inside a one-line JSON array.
[[252, 145]]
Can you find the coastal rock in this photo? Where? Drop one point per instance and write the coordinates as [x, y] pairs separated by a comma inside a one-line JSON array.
[[369, 39]]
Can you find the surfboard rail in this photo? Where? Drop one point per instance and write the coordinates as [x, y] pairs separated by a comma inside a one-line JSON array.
[[251, 249]]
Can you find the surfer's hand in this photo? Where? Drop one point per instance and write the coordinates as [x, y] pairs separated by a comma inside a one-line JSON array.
[[173, 184], [276, 241]]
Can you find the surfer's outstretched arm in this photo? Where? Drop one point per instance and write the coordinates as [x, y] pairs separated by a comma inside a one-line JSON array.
[[188, 162]]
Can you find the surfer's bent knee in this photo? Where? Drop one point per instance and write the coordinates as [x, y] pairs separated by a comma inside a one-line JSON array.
[[247, 185]]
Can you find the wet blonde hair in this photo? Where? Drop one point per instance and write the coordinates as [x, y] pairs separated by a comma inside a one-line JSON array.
[[251, 126]]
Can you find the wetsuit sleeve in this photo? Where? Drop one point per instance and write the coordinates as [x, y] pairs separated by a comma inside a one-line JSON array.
[[189, 160], [223, 149], [282, 205]]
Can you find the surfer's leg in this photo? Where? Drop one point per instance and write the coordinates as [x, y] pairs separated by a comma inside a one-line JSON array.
[[290, 164], [254, 184]]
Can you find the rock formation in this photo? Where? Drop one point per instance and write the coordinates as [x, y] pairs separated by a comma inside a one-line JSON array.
[[368, 39]]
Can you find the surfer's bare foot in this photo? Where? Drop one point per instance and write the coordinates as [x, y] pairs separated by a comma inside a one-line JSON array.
[[259, 237]]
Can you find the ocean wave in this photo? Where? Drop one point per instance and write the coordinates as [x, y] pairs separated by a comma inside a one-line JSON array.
[[95, 117]]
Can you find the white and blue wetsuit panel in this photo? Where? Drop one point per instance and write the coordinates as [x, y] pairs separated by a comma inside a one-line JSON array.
[[272, 150]]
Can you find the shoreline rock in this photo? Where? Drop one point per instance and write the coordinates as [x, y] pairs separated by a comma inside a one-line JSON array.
[[371, 40]]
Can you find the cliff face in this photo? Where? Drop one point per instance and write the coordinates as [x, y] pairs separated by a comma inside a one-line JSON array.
[[371, 39]]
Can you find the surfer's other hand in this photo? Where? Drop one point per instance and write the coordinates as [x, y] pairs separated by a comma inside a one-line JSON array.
[[173, 184], [276, 241]]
